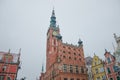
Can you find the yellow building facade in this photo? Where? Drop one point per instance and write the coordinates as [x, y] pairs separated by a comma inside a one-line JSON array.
[[98, 69]]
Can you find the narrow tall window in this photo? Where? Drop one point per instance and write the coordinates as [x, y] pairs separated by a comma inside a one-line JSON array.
[[77, 69], [64, 67], [108, 70], [82, 70], [71, 68]]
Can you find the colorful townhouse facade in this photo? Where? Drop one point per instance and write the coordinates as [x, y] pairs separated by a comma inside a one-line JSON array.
[[63, 61], [9, 65], [117, 50], [98, 69], [110, 66], [88, 61]]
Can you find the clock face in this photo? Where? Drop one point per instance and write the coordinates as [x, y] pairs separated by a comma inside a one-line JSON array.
[[54, 33]]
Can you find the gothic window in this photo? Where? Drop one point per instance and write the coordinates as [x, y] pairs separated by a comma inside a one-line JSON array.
[[71, 68], [108, 59], [79, 54], [64, 67]]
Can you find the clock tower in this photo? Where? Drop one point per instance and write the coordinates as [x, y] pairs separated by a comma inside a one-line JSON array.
[[53, 41], [63, 61]]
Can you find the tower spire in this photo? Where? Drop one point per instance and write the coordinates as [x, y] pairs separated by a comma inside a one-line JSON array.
[[53, 19]]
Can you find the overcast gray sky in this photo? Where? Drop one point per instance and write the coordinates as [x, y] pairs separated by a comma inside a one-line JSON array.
[[24, 24]]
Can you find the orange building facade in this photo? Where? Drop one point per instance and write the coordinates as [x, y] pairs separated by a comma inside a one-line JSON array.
[[9, 65], [63, 61]]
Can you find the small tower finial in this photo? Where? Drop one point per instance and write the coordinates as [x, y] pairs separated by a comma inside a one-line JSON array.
[[115, 36], [20, 51], [9, 51], [80, 42]]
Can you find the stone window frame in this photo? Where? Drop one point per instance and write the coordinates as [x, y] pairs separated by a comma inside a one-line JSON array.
[[65, 67], [76, 69], [71, 68]]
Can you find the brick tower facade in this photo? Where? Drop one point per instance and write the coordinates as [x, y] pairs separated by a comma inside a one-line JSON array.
[[9, 65], [63, 61]]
